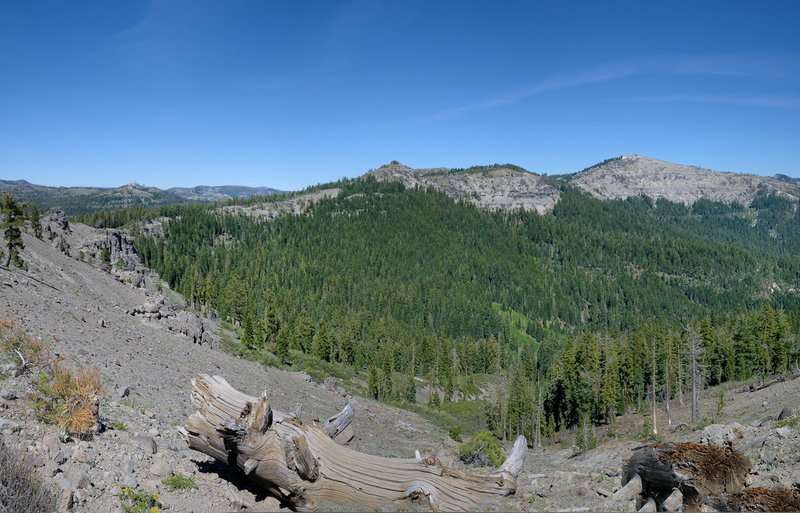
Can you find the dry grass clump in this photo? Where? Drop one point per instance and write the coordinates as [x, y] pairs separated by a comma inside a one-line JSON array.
[[68, 398], [63, 396], [18, 346], [21, 488]]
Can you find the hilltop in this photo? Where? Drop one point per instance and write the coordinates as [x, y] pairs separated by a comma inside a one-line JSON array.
[[496, 187], [636, 175], [509, 187]]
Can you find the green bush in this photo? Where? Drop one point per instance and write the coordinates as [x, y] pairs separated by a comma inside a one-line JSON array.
[[118, 425], [179, 482], [455, 433], [481, 449], [134, 500], [584, 436]]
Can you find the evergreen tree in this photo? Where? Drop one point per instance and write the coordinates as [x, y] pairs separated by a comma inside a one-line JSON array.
[[282, 344], [12, 221], [304, 335], [249, 336], [322, 345], [410, 390], [373, 386]]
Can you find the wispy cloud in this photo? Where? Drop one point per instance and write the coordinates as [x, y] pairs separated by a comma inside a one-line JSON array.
[[746, 65], [166, 36], [773, 101]]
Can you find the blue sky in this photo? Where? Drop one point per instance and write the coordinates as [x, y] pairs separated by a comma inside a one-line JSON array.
[[288, 94]]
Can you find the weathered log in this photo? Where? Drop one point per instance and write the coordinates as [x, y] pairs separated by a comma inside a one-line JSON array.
[[696, 470], [757, 499], [339, 426], [648, 507], [674, 502], [301, 465], [631, 489]]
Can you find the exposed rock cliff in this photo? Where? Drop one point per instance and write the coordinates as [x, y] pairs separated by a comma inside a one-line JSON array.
[[498, 187], [636, 175], [113, 249]]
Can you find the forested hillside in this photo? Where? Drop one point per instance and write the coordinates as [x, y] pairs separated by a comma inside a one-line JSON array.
[[577, 314], [82, 200]]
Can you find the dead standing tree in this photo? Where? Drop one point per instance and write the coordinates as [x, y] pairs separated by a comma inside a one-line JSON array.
[[696, 370], [301, 465]]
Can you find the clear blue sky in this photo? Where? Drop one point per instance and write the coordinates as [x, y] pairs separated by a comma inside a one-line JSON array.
[[287, 94]]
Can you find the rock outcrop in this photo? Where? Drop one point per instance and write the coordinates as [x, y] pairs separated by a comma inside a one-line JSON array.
[[636, 175], [273, 209], [113, 250], [498, 187]]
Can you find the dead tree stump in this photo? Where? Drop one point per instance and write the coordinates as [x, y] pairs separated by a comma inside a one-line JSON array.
[[301, 465], [696, 470]]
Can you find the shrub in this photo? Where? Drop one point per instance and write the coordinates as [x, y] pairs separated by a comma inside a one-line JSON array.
[[68, 398], [179, 482], [139, 501], [481, 449], [792, 421], [65, 397], [584, 436], [120, 426], [20, 346], [21, 488]]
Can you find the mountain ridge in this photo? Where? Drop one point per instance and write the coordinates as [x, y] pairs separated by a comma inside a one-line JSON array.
[[638, 175], [86, 199], [495, 187]]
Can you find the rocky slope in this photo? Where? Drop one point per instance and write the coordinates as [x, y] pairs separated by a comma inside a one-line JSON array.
[[499, 187], [270, 210], [636, 175], [147, 348], [220, 192]]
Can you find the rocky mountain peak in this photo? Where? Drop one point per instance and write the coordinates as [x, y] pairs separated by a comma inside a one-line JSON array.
[[638, 175], [495, 187]]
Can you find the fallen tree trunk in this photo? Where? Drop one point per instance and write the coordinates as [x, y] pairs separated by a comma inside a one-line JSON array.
[[694, 469], [300, 464]]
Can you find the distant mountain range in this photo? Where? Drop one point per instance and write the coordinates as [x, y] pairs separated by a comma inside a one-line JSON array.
[[81, 200], [508, 187], [220, 192], [494, 187]]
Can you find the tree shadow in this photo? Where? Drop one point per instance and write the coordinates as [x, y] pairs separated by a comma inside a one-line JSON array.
[[228, 474]]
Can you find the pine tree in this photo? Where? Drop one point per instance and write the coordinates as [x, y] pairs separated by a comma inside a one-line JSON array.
[[282, 344], [13, 220], [304, 335], [268, 323], [249, 331], [372, 385], [323, 348], [410, 390]]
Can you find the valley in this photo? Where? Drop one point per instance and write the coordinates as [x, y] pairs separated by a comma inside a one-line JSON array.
[[439, 303]]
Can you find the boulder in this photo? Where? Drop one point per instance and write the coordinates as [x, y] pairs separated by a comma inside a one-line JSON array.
[[161, 468], [720, 435], [146, 443]]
